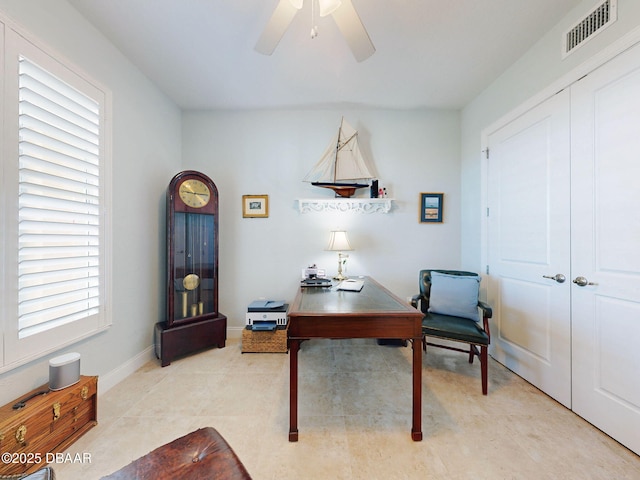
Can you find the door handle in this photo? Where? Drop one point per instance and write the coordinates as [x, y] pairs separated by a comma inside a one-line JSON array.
[[582, 282], [558, 277]]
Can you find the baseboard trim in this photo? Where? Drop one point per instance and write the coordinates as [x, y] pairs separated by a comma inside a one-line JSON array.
[[234, 332], [118, 374], [115, 376]]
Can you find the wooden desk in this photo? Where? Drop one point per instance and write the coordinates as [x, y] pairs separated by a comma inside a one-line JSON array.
[[374, 312]]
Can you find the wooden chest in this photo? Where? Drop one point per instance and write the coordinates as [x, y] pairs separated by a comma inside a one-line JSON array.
[[48, 423]]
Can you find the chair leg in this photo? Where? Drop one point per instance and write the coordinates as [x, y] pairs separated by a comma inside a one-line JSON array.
[[484, 367], [471, 352], [424, 343]]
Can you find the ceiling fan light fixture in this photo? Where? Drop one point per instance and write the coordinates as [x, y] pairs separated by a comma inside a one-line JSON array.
[[343, 13], [327, 7]]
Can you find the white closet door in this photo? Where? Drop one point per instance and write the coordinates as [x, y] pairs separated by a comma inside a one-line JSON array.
[[605, 138], [528, 239]]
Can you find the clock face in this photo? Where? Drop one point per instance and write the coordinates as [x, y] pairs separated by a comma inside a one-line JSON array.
[[194, 193]]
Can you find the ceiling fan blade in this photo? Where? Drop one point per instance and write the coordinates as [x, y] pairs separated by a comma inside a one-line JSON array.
[[277, 25], [353, 31]]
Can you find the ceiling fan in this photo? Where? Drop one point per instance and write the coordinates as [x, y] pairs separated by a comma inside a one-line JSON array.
[[342, 11]]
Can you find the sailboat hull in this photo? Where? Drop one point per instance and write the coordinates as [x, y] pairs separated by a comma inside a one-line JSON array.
[[345, 190]]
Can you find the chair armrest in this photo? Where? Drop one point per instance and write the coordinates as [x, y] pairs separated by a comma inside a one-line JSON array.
[[416, 300], [486, 315], [486, 309]]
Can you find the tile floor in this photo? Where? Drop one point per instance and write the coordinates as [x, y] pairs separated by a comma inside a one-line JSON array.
[[355, 418]]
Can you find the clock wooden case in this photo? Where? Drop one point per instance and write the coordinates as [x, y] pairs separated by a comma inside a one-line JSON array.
[[193, 321]]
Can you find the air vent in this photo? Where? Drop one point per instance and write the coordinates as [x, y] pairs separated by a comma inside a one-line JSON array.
[[600, 17]]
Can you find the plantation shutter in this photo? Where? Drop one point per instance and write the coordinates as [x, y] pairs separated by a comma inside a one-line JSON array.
[[59, 202]]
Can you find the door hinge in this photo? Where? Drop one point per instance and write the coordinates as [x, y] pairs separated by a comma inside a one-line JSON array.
[[487, 211], [487, 270], [486, 153]]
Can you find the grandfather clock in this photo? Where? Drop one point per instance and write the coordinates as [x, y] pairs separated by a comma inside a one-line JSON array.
[[193, 321]]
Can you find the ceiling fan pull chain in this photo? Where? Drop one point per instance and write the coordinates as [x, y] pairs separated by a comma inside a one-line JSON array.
[[314, 27]]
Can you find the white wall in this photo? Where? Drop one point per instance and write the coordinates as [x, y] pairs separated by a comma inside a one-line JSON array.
[[146, 154], [245, 153], [269, 152], [541, 66]]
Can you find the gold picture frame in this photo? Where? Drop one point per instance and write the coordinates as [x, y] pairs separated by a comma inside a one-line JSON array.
[[255, 206]]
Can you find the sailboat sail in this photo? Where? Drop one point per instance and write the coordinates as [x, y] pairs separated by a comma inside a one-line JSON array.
[[324, 170], [342, 160]]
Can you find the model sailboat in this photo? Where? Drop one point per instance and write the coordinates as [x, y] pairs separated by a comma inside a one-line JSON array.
[[341, 166]]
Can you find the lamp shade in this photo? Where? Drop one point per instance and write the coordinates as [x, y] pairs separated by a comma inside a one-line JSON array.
[[338, 241]]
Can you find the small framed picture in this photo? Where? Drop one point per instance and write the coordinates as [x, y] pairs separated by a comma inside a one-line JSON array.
[[431, 207], [255, 206]]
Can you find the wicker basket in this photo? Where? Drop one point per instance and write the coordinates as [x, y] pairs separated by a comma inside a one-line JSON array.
[[274, 341]]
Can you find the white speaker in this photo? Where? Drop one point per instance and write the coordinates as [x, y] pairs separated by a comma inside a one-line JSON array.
[[64, 371]]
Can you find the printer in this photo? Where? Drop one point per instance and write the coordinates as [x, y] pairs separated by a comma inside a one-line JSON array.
[[266, 315]]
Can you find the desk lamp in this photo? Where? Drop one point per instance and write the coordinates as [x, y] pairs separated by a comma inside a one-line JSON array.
[[339, 242]]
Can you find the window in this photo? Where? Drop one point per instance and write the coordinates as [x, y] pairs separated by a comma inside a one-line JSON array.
[[55, 172]]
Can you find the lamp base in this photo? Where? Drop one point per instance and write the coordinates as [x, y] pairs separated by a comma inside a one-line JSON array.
[[342, 258]]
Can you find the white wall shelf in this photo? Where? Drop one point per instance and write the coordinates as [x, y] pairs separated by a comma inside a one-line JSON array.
[[354, 205]]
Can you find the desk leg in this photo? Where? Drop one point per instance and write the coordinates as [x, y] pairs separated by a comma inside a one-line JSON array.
[[294, 346], [416, 429]]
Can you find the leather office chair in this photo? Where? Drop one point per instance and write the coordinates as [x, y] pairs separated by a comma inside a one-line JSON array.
[[453, 327]]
